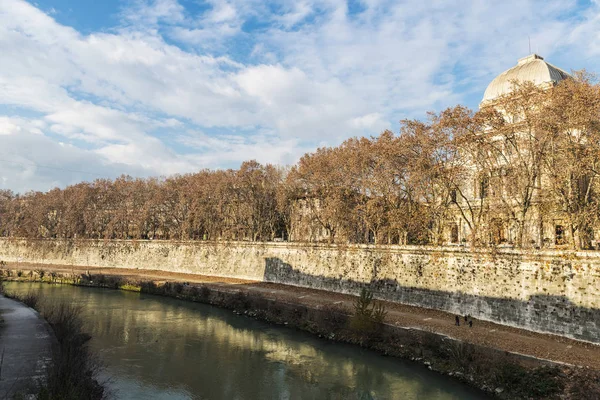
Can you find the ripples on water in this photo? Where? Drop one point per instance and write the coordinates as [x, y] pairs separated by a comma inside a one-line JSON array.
[[160, 348]]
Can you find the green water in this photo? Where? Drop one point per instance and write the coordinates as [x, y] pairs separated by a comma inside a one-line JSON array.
[[159, 348]]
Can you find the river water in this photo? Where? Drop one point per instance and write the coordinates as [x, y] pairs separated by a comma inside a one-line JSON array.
[[160, 348]]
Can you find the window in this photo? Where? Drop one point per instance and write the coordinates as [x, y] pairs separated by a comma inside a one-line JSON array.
[[583, 184], [454, 233], [484, 184], [498, 231], [495, 183], [511, 188], [559, 235]]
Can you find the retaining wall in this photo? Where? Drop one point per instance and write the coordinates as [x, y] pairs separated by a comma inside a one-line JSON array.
[[546, 291]]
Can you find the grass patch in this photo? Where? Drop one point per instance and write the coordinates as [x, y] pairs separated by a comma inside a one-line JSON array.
[[130, 287]]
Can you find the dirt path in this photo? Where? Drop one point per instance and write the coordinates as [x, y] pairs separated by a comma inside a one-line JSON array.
[[505, 338]]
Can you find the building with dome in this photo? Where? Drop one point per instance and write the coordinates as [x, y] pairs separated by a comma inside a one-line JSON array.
[[532, 68], [479, 189], [495, 185]]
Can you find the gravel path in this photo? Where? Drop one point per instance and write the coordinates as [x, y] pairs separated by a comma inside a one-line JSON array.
[[505, 338]]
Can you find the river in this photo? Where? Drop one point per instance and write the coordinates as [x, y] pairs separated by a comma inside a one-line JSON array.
[[160, 348]]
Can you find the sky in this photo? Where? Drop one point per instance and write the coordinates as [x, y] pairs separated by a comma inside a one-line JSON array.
[[95, 89]]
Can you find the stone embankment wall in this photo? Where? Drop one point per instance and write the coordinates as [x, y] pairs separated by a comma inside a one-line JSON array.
[[545, 291]]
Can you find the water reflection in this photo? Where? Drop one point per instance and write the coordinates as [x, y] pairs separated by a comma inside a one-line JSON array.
[[155, 347]]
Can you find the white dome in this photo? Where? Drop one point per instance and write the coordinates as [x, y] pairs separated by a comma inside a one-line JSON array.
[[532, 68]]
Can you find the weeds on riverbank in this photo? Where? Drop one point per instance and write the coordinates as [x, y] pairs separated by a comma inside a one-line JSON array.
[[30, 299], [368, 314], [73, 371]]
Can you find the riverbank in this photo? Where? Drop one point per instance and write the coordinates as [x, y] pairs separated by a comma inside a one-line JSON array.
[[507, 375], [26, 348], [48, 357]]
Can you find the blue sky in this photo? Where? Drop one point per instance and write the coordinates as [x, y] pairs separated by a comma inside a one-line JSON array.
[[94, 89]]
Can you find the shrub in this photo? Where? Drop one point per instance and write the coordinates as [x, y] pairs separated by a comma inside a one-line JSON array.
[[30, 299], [130, 286], [460, 354], [367, 314], [74, 368], [379, 312]]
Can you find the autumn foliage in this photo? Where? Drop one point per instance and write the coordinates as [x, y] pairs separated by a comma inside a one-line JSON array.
[[532, 155]]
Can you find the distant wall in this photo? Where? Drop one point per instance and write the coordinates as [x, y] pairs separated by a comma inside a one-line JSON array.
[[546, 291]]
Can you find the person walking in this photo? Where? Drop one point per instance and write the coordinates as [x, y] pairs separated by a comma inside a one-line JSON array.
[[457, 320]]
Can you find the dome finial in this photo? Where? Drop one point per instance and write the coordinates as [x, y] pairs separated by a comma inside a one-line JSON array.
[[529, 58]]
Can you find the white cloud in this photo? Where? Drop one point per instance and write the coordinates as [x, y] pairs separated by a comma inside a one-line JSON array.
[[16, 125], [222, 11], [31, 161], [150, 12], [373, 121], [296, 13], [310, 72], [236, 149]]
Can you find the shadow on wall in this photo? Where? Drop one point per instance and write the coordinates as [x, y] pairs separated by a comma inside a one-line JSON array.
[[543, 313]]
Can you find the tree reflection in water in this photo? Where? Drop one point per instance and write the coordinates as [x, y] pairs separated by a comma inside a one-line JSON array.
[[156, 347]]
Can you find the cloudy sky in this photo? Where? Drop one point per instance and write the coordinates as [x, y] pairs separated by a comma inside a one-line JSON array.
[[93, 89]]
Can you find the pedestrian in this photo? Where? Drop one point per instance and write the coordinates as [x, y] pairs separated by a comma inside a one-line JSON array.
[[466, 317], [457, 320], [470, 323]]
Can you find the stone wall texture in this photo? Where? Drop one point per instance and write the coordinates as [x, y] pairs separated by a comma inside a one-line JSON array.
[[546, 291]]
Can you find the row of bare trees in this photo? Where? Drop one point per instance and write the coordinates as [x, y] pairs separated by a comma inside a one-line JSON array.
[[529, 157], [228, 204]]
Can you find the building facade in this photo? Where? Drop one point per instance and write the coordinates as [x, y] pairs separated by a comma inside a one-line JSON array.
[[488, 194]]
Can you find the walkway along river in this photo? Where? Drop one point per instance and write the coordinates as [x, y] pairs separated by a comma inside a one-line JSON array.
[[161, 348]]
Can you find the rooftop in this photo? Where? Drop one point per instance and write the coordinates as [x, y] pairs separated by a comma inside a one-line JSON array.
[[532, 68]]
